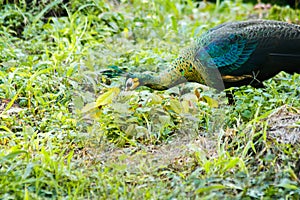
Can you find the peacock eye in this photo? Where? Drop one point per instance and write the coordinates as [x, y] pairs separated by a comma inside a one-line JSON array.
[[129, 84]]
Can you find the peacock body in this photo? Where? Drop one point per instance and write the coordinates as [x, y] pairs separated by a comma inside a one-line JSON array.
[[231, 54]]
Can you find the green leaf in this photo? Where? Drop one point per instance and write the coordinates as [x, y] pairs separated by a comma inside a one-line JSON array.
[[210, 188], [231, 164], [47, 8], [78, 101], [12, 155], [247, 114], [89, 107], [288, 184]]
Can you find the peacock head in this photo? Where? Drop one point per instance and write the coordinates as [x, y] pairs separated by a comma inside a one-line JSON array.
[[150, 80], [132, 82]]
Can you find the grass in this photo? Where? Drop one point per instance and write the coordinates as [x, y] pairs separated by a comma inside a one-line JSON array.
[[68, 132]]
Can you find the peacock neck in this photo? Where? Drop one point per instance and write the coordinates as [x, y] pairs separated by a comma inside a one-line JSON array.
[[164, 80], [182, 69]]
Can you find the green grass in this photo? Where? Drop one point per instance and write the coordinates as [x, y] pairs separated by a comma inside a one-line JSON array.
[[66, 132]]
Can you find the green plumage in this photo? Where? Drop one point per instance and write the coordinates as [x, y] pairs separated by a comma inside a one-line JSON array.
[[233, 54]]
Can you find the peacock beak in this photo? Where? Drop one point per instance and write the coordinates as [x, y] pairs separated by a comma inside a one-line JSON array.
[[132, 83]]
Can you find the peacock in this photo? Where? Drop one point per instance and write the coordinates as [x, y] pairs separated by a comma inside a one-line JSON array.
[[232, 54]]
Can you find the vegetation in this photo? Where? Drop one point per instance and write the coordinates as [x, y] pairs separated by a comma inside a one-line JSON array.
[[69, 131]]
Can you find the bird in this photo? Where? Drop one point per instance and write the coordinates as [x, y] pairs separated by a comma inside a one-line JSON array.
[[231, 54]]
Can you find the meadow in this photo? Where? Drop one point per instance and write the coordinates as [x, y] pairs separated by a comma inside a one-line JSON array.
[[68, 130]]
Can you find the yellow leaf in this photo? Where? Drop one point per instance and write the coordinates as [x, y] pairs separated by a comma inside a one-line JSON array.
[[26, 195], [197, 93], [125, 32], [185, 106], [211, 102], [155, 99], [107, 97], [190, 97], [175, 106]]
